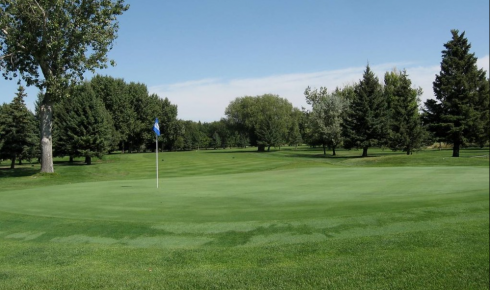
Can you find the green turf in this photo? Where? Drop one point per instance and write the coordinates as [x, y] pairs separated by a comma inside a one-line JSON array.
[[236, 219]]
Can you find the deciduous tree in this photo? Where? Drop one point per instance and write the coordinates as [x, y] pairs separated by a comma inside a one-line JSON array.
[[327, 114], [51, 44]]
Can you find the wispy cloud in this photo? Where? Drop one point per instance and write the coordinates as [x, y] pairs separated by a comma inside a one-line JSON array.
[[206, 99]]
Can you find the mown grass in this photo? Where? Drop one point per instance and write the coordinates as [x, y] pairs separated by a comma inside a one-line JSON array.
[[236, 219]]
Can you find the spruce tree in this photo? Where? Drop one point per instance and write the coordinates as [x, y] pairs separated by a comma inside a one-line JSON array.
[[17, 129], [406, 132], [83, 125], [366, 122], [462, 91]]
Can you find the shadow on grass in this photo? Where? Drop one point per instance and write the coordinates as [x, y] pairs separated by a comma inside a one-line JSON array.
[[233, 151], [321, 156], [18, 172], [68, 163]]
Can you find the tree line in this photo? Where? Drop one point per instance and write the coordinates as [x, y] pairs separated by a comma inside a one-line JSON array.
[[105, 114]]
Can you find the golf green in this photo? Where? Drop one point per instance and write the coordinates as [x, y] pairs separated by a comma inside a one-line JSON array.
[[242, 202]]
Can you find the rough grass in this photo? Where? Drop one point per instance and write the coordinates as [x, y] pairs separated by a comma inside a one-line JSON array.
[[236, 219]]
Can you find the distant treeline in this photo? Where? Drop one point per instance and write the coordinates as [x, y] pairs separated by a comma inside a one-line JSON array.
[[106, 114]]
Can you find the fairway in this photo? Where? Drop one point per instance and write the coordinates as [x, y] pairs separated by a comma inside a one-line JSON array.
[[282, 222]]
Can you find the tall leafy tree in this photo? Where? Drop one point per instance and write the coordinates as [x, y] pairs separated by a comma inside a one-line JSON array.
[[83, 125], [366, 123], [166, 112], [462, 92], [140, 106], [114, 94], [265, 118], [327, 114], [17, 129], [406, 131], [51, 44]]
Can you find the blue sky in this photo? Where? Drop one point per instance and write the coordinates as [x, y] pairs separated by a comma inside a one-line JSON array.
[[202, 54]]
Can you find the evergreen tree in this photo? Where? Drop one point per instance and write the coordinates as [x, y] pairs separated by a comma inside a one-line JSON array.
[[406, 131], [366, 122], [83, 125], [17, 129], [463, 93]]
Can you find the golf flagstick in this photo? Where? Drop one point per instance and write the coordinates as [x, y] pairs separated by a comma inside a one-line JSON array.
[[156, 129], [157, 158]]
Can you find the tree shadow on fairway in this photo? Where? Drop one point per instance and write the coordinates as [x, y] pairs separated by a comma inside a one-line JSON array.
[[18, 172], [227, 151], [341, 154], [68, 163], [322, 156]]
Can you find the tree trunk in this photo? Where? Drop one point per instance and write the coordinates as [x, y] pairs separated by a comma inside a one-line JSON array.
[[71, 159], [333, 151], [269, 148], [12, 165], [47, 137], [364, 151], [324, 150], [261, 148], [88, 160], [456, 149]]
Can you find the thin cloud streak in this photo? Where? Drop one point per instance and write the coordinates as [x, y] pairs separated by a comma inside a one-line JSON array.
[[206, 100]]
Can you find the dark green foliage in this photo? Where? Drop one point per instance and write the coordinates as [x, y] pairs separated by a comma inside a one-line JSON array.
[[216, 140], [52, 44], [266, 119], [113, 93], [431, 114], [18, 130], [366, 122], [294, 135], [406, 131], [134, 111], [83, 126], [462, 91]]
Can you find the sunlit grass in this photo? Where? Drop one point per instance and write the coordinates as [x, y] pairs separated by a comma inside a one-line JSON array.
[[237, 219]]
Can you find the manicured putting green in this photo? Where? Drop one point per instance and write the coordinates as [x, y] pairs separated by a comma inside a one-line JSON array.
[[237, 199]]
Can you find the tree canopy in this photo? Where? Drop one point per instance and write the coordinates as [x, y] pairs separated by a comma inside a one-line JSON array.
[[366, 124], [51, 44], [406, 131], [267, 119], [462, 92], [17, 129], [327, 116]]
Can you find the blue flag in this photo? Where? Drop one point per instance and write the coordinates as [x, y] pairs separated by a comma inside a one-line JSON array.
[[156, 128]]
